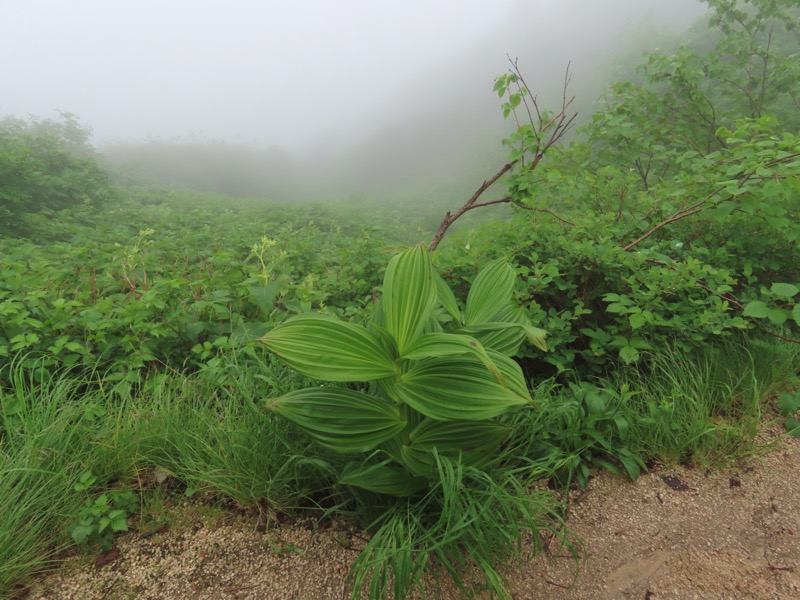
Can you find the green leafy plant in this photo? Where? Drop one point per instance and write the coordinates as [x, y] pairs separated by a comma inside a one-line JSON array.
[[102, 518], [430, 391], [788, 405], [46, 165], [581, 428]]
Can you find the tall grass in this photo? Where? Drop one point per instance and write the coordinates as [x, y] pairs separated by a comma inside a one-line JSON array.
[[471, 526], [218, 438], [209, 432], [706, 408], [45, 441], [53, 428]]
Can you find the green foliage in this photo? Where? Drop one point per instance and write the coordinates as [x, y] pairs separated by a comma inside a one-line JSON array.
[[674, 218], [432, 392], [789, 405], [581, 427], [43, 442], [71, 436], [705, 408], [45, 166], [668, 228], [466, 526], [100, 520], [142, 286]]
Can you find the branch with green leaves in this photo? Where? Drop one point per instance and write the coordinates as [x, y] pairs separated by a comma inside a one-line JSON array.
[[536, 133]]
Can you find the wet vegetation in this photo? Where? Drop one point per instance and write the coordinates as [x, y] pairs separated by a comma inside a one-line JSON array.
[[626, 292]]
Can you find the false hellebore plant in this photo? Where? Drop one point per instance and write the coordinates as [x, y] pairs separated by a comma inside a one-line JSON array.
[[429, 391]]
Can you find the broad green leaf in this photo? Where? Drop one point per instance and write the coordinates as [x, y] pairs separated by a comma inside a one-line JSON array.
[[435, 345], [264, 296], [446, 298], [513, 376], [778, 315], [629, 354], [342, 420], [505, 334], [475, 441], [409, 295], [386, 338], [458, 435], [607, 465], [632, 463], [636, 320], [326, 348], [455, 388], [622, 425], [756, 309], [382, 478], [508, 339], [796, 314], [786, 290], [490, 292]]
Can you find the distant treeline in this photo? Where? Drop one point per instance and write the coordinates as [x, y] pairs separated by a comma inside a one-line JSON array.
[[211, 166]]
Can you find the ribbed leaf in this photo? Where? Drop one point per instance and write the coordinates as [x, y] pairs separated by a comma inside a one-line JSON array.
[[388, 341], [383, 478], [490, 292], [513, 376], [342, 420], [475, 441], [536, 336], [505, 334], [463, 436], [509, 339], [433, 345], [455, 388], [409, 295], [326, 348], [446, 298]]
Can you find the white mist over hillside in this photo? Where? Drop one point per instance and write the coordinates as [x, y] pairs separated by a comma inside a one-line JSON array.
[[357, 95]]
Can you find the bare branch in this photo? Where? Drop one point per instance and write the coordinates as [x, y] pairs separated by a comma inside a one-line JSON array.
[[544, 210], [450, 218], [555, 129]]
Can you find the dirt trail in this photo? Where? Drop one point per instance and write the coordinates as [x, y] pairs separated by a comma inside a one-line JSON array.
[[676, 534]]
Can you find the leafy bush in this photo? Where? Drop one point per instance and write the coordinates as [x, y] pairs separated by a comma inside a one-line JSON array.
[[674, 217], [581, 427], [46, 166]]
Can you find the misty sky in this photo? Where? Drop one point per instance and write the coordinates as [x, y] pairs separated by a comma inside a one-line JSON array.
[[272, 72], [239, 69]]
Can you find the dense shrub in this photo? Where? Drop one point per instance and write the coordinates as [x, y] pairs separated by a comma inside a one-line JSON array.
[[45, 166]]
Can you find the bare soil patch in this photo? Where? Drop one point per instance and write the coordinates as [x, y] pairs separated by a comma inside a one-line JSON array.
[[676, 534]]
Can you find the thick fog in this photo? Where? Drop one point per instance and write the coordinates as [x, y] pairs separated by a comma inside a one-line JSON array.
[[270, 71], [379, 89]]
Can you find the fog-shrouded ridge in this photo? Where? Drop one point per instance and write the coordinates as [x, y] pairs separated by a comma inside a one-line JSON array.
[[446, 124], [325, 100]]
